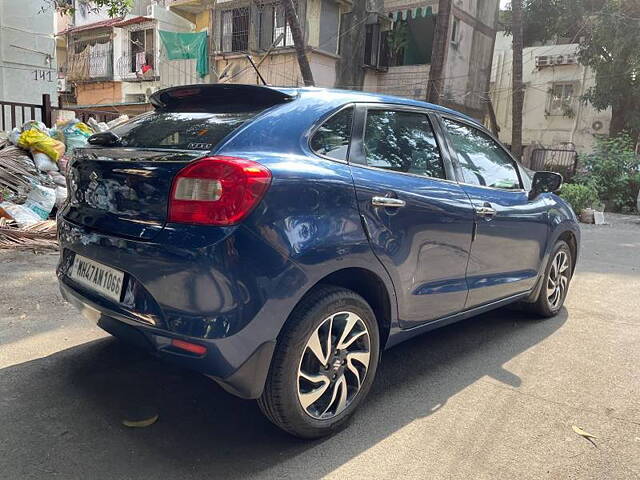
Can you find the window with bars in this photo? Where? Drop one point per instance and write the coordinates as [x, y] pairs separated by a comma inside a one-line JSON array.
[[235, 30], [274, 26], [372, 45], [561, 99]]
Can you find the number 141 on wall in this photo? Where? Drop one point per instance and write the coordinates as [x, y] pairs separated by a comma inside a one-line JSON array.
[[43, 75]]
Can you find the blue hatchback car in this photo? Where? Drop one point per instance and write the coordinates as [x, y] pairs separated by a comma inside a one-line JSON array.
[[278, 240]]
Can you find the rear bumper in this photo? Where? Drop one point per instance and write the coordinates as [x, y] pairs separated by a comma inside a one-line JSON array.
[[221, 292], [245, 380]]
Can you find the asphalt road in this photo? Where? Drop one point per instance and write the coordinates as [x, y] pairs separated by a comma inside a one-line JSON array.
[[492, 397]]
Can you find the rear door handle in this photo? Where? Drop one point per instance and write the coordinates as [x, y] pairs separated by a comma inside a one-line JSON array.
[[387, 202], [486, 212]]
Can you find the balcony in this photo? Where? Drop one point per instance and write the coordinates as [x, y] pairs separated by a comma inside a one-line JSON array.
[[93, 64], [136, 67]]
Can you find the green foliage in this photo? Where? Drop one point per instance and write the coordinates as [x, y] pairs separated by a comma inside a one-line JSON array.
[[612, 169], [612, 50], [114, 8], [398, 38], [579, 196]]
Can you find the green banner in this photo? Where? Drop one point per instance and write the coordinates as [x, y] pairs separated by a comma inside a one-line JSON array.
[[182, 46]]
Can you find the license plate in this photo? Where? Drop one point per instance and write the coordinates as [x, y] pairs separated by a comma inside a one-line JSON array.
[[96, 276]]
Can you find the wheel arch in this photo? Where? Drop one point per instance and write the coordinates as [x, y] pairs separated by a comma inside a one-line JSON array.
[[570, 238], [366, 283]]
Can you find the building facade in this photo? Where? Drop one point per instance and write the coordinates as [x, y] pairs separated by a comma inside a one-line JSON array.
[[27, 52], [381, 46], [117, 63], [553, 114], [406, 46]]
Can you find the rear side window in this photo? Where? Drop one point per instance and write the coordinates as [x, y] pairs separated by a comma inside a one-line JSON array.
[[333, 137], [182, 131], [402, 142]]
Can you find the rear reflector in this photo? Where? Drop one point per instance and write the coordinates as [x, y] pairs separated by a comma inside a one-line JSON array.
[[217, 191], [189, 347]]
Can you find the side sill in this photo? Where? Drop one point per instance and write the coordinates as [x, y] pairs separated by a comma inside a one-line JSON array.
[[399, 335]]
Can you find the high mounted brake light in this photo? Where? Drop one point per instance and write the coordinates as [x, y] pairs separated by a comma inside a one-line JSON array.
[[217, 191]]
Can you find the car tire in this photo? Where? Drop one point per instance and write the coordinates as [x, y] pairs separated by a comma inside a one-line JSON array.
[[298, 375], [555, 283]]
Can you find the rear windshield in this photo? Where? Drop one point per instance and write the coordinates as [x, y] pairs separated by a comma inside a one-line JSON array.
[[182, 131]]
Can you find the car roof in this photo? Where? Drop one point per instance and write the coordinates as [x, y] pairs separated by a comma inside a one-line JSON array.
[[370, 97]]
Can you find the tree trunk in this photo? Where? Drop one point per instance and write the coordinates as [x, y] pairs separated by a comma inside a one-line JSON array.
[[349, 72], [518, 90], [298, 41], [618, 120], [438, 52]]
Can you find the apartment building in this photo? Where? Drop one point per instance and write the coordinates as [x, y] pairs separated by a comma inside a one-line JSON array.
[[116, 63], [553, 114], [390, 47]]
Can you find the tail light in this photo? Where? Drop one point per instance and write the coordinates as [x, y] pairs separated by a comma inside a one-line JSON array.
[[217, 191]]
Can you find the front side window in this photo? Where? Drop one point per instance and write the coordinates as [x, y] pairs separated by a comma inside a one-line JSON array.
[[482, 160], [333, 137], [402, 142], [235, 30]]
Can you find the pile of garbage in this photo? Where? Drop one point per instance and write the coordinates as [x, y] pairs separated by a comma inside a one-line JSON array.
[[33, 166]]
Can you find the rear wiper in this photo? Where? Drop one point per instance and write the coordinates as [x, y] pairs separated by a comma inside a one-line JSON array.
[[105, 139]]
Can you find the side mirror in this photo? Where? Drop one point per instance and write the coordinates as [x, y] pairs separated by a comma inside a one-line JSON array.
[[104, 139], [544, 182]]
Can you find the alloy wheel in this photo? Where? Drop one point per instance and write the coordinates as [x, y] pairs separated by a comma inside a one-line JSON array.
[[334, 365], [558, 279]]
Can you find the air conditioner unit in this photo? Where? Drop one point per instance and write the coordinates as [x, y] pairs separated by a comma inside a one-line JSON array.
[[543, 61], [569, 59]]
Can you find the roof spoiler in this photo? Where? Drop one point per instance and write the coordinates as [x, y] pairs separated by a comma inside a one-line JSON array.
[[202, 96]]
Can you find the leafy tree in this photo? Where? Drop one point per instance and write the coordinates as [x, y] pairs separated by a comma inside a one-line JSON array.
[[114, 8], [612, 169], [608, 32]]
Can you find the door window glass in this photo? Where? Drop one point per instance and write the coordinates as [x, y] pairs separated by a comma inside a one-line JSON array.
[[402, 142], [332, 138], [482, 160]]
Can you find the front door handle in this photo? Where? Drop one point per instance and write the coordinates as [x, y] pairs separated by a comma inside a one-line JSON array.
[[387, 202], [486, 212]]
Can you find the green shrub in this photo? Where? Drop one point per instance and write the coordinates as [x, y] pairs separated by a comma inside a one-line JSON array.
[[612, 169], [579, 196]]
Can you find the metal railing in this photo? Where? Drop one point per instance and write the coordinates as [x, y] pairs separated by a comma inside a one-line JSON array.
[[564, 161], [137, 67], [14, 114]]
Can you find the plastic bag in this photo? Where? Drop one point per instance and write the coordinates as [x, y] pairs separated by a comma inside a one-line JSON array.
[[22, 215], [73, 133], [117, 121], [35, 124], [14, 136], [43, 162], [61, 196], [57, 178], [41, 200], [36, 140], [97, 126]]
